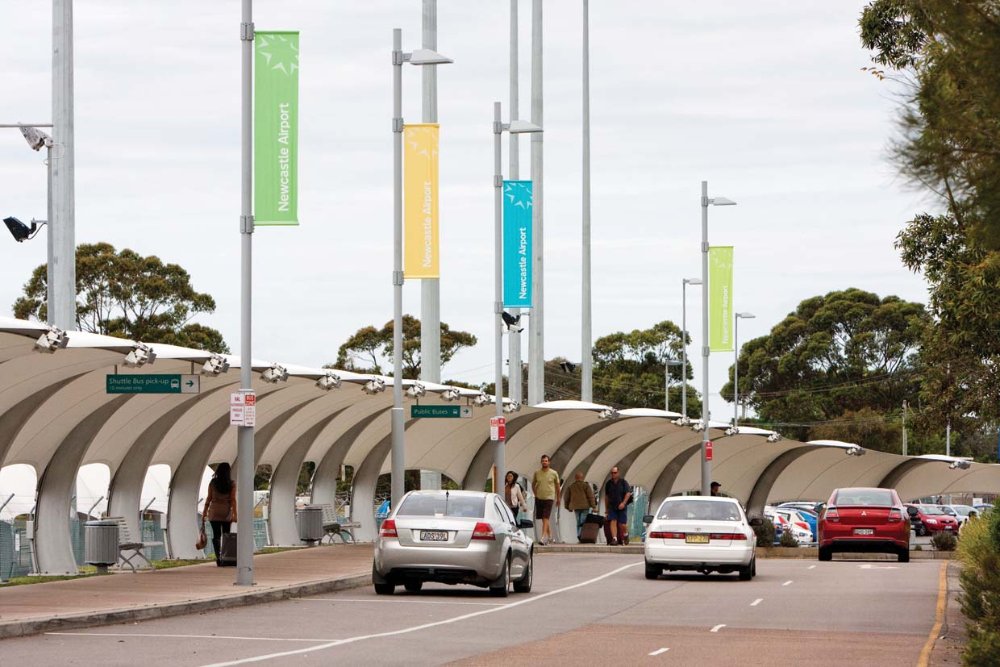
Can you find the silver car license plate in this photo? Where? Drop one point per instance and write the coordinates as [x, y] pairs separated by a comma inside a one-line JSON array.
[[433, 536], [864, 531]]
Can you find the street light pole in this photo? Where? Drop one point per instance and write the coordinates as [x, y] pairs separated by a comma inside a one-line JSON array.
[[398, 451], [684, 343], [666, 385], [736, 364], [706, 465], [586, 354], [515, 127]]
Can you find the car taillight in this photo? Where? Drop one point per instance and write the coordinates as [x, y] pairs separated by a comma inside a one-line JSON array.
[[895, 515], [727, 536], [832, 514], [388, 529], [664, 535], [483, 531]]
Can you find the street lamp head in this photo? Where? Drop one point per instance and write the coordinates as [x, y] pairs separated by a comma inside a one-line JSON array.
[[692, 281], [19, 230], [523, 127], [426, 57], [721, 201], [36, 138], [746, 316]]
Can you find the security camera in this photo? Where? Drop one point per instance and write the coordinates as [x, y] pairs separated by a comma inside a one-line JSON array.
[[512, 406], [481, 400], [215, 365], [732, 430], [774, 437], [140, 355], [329, 381], [856, 451], [416, 390], [373, 386], [450, 395], [275, 374], [36, 138], [609, 413], [52, 340], [959, 465]]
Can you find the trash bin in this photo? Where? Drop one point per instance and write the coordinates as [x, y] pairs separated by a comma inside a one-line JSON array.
[[310, 522], [101, 543]]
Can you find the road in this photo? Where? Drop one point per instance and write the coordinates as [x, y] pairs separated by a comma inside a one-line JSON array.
[[584, 607]]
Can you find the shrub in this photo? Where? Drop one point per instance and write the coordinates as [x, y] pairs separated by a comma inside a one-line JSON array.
[[765, 533], [979, 551], [788, 540], [944, 541]]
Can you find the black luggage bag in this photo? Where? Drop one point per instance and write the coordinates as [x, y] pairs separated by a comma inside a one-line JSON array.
[[590, 529], [228, 550]]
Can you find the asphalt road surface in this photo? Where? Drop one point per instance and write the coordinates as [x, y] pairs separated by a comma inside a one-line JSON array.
[[593, 608]]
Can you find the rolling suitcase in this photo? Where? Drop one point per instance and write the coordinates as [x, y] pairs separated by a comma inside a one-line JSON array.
[[591, 527], [227, 555]]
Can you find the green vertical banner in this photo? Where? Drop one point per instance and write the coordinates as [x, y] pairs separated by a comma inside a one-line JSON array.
[[276, 128], [720, 298]]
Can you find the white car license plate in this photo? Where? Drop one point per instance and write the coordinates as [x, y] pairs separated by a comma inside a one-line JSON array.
[[864, 531], [433, 536]]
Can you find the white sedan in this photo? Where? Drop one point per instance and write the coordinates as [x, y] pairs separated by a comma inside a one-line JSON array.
[[701, 533]]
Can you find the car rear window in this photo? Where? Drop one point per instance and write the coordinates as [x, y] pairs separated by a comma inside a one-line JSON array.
[[868, 497], [699, 510], [442, 505]]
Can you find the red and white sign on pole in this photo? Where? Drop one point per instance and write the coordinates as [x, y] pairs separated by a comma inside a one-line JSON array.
[[708, 450], [498, 428], [243, 409]]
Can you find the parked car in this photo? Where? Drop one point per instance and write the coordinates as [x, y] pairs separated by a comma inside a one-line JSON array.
[[928, 519], [804, 519], [810, 506], [864, 520], [453, 537], [983, 507], [961, 512], [701, 533], [788, 520]]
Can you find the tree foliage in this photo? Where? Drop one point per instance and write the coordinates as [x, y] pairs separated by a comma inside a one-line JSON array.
[[370, 350], [130, 296], [835, 355]]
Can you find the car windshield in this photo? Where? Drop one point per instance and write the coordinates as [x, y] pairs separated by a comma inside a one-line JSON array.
[[866, 497], [443, 505], [699, 510], [932, 510]]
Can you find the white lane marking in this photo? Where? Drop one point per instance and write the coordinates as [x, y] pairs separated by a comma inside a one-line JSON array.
[[415, 628], [787, 583], [811, 567], [137, 634], [659, 651], [870, 566], [399, 600], [718, 627], [756, 602]]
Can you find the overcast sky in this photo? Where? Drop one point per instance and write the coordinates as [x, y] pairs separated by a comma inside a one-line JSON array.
[[764, 100]]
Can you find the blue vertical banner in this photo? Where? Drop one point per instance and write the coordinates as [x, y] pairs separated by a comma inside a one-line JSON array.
[[517, 205]]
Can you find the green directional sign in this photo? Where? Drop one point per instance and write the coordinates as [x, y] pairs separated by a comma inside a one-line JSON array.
[[441, 411], [152, 384]]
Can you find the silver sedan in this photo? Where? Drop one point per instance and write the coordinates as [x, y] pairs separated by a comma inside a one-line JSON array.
[[452, 537]]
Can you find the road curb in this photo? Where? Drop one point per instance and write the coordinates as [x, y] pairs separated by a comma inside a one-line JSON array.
[[13, 629]]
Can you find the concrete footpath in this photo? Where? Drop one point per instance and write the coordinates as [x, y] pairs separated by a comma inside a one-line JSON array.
[[126, 597]]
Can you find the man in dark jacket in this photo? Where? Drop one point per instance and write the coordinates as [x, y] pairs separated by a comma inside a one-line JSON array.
[[617, 494]]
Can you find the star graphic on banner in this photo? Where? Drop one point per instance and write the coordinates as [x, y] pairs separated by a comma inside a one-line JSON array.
[[279, 53]]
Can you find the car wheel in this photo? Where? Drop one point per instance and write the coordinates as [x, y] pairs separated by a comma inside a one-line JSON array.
[[501, 587], [825, 553], [382, 585], [904, 556], [523, 585], [413, 586], [753, 567], [653, 571], [746, 572]]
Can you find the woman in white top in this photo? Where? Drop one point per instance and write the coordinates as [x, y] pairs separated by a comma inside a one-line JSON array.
[[512, 493]]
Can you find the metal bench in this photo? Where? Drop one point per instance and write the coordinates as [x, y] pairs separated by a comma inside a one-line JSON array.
[[335, 526], [128, 547]]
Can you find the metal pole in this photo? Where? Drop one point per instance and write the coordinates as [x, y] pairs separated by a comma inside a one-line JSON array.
[[430, 288], [499, 455], [586, 354], [904, 429], [536, 330], [684, 349], [514, 337], [706, 465], [50, 240], [947, 438], [61, 219], [398, 445], [736, 368], [245, 434]]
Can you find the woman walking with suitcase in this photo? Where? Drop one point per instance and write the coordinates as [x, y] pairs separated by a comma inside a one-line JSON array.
[[220, 507]]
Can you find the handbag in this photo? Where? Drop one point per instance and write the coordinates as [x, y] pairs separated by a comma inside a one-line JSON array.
[[202, 538]]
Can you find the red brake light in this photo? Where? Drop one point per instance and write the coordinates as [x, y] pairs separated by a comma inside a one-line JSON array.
[[388, 529], [664, 535], [483, 531], [727, 536], [832, 514], [895, 515]]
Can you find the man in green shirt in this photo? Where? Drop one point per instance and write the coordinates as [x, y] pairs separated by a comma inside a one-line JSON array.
[[545, 486]]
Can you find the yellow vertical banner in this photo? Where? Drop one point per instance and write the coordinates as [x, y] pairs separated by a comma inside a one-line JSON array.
[[420, 201]]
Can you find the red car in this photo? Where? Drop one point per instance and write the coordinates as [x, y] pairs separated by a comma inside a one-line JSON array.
[[864, 520], [930, 519]]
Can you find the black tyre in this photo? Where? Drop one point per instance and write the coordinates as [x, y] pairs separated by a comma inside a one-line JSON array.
[[904, 556], [523, 585], [382, 585], [825, 553], [746, 572], [653, 571], [413, 586], [501, 587], [753, 567]]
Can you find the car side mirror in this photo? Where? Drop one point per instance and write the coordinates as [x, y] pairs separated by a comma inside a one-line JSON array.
[[647, 518], [756, 521], [525, 523]]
